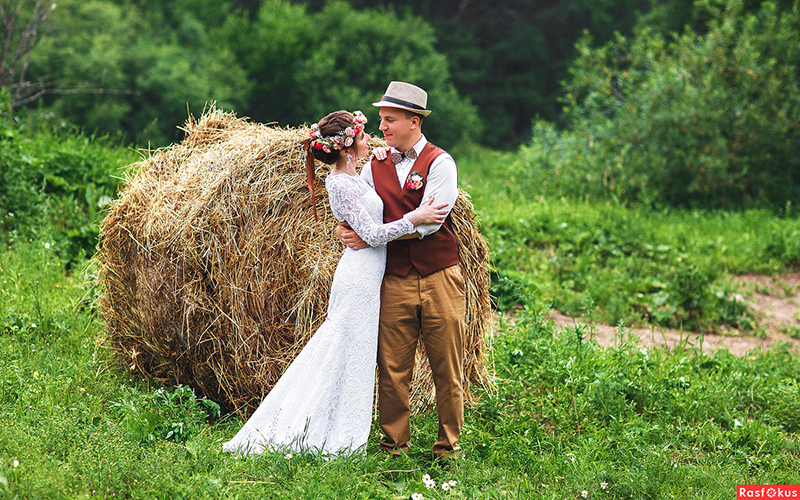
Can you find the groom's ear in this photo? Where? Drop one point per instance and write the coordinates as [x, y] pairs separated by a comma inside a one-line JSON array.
[[414, 118]]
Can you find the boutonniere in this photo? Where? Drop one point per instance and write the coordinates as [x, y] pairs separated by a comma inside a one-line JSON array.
[[414, 181]]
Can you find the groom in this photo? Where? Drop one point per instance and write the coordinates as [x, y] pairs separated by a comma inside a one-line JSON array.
[[423, 290]]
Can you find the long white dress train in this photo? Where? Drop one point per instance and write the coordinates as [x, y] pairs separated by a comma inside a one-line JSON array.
[[323, 401]]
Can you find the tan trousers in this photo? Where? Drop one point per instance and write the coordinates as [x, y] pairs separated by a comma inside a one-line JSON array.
[[433, 307]]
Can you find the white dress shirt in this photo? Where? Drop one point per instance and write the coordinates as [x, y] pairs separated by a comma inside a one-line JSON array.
[[442, 181]]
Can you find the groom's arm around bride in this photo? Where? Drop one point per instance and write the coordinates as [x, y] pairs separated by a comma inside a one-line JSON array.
[[423, 292]]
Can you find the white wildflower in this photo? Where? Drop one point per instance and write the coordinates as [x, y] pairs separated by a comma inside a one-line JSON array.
[[584, 494], [603, 485], [16, 463], [289, 456], [417, 496]]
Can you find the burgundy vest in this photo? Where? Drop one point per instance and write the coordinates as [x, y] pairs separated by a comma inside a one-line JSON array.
[[435, 251]]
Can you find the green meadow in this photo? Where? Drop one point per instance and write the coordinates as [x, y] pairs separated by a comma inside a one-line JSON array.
[[674, 169], [564, 417]]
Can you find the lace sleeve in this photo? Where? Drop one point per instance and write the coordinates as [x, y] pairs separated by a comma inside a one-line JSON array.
[[346, 204]]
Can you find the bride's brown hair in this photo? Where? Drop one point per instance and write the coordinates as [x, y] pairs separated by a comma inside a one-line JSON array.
[[333, 124], [330, 125]]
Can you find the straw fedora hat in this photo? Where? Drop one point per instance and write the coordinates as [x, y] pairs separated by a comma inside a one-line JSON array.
[[405, 96]]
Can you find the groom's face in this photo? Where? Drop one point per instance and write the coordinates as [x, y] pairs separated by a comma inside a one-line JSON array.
[[399, 130]]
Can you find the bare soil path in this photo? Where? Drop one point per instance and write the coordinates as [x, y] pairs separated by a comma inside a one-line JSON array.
[[776, 301]]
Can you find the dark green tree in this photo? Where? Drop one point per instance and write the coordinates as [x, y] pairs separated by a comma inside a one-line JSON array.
[[306, 65], [509, 56], [673, 17], [135, 67]]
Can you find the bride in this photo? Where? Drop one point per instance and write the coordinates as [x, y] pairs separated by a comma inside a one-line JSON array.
[[323, 401]]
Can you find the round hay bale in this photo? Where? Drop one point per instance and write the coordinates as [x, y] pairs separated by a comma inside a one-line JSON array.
[[214, 273]]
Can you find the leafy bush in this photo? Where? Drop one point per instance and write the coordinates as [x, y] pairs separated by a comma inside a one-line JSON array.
[[708, 120], [54, 184], [163, 414]]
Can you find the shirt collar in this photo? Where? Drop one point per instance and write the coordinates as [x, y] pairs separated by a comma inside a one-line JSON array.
[[418, 147]]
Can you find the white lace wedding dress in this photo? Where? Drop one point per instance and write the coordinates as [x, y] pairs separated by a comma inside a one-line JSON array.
[[323, 401]]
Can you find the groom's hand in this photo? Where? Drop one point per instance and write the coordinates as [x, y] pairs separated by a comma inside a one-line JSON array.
[[349, 237]]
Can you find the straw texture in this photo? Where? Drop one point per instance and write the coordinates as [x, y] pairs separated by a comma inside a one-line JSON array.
[[214, 273]]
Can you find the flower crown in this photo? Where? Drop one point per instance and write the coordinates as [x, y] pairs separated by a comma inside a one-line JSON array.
[[341, 140]]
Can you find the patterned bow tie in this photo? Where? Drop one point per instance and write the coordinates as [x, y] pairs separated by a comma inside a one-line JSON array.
[[397, 157]]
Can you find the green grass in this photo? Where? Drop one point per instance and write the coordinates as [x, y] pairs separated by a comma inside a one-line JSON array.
[[563, 416], [618, 263]]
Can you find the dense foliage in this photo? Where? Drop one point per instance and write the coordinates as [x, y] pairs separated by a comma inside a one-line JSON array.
[[509, 56], [624, 264], [54, 183], [135, 67], [305, 65], [708, 120], [139, 68]]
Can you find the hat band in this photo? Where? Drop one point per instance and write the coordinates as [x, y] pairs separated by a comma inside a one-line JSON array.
[[402, 103]]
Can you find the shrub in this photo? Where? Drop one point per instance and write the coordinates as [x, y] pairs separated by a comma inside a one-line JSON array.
[[707, 120], [56, 181]]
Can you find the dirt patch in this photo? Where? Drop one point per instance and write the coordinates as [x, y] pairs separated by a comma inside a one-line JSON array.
[[775, 300]]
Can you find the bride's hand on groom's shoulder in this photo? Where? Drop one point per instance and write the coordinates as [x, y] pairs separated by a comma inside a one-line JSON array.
[[380, 153]]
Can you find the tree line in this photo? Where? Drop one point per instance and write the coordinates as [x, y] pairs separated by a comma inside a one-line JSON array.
[[134, 67], [706, 116], [706, 119]]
